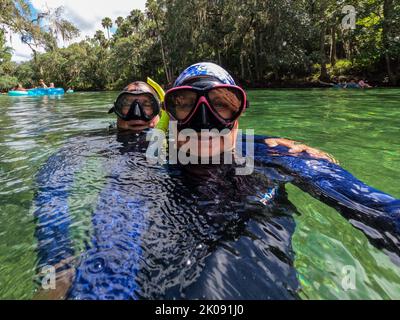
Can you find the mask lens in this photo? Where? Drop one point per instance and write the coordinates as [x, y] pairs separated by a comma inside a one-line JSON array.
[[180, 103], [147, 108], [146, 102], [227, 102], [123, 104]]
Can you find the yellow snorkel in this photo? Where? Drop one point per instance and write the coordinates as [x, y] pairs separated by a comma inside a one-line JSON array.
[[164, 118]]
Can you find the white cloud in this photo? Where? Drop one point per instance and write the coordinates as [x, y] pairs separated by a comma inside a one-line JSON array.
[[85, 14]]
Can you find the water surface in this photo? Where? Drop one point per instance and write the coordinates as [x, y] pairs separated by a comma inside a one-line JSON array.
[[360, 128]]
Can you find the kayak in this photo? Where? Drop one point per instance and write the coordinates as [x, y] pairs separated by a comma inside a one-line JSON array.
[[18, 93], [37, 92]]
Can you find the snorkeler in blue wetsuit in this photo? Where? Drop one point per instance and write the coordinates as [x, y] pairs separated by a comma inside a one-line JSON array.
[[138, 107], [194, 231]]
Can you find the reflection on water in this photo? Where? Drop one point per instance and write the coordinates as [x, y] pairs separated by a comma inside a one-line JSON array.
[[182, 237]]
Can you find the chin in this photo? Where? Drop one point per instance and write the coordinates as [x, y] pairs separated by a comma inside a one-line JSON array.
[[213, 147], [206, 145]]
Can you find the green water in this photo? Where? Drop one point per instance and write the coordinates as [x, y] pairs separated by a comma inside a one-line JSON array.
[[360, 128]]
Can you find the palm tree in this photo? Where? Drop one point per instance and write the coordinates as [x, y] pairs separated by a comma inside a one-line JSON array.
[[136, 17], [107, 24], [99, 36], [119, 21]]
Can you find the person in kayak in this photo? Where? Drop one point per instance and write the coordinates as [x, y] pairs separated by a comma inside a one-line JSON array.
[[42, 84], [19, 87], [191, 231], [352, 84]]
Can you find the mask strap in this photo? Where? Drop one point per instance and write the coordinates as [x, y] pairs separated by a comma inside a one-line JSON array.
[[112, 110]]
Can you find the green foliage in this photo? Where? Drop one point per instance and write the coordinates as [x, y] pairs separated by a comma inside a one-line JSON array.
[[257, 41], [342, 67], [7, 82], [25, 74]]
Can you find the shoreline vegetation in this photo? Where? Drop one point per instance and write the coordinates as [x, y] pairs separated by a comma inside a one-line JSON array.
[[265, 44]]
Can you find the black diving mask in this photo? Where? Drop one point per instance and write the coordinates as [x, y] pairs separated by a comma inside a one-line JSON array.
[[136, 105]]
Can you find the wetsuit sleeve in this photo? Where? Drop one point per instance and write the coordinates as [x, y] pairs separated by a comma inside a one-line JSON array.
[[51, 209], [368, 209]]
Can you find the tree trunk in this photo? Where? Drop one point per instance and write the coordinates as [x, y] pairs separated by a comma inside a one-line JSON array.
[[219, 57], [333, 55], [163, 54], [242, 71], [322, 55], [388, 9], [256, 64], [251, 78]]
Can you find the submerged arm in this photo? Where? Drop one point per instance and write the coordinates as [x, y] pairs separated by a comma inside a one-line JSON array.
[[60, 181], [53, 220], [376, 213]]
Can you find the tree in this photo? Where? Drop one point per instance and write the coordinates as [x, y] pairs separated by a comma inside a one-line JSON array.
[[99, 36], [388, 36], [107, 24], [156, 13], [119, 21], [36, 30], [259, 42], [136, 18]]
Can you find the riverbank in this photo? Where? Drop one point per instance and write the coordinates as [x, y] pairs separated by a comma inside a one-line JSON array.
[[280, 84], [303, 84]]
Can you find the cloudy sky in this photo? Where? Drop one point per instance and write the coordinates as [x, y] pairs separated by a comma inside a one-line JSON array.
[[85, 14]]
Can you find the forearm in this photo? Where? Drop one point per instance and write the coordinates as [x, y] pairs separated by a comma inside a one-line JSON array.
[[366, 207]]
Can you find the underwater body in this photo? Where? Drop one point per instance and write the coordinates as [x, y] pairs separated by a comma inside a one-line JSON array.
[[191, 232]]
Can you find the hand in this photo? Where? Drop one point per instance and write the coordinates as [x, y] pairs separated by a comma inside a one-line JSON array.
[[64, 280], [137, 125], [296, 148]]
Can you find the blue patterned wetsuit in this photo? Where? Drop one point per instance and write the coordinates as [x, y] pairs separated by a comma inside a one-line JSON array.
[[172, 232]]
